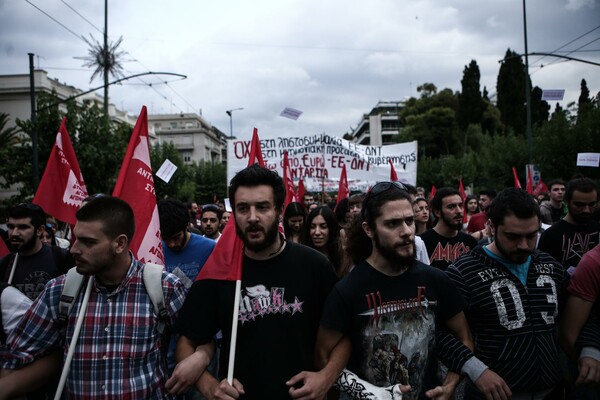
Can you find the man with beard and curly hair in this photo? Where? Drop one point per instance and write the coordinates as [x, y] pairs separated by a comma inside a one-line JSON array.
[[283, 289], [445, 242], [391, 308]]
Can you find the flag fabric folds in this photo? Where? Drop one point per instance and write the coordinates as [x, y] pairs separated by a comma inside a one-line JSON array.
[[301, 191], [290, 190], [432, 193], [540, 188], [393, 174], [62, 188], [135, 185], [343, 190], [463, 196], [225, 262], [516, 178]]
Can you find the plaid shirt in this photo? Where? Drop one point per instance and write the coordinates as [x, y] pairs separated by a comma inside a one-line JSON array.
[[118, 354]]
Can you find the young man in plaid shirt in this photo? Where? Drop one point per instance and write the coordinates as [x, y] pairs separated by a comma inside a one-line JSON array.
[[119, 353]]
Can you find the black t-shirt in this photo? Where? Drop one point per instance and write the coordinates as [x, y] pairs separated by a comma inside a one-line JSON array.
[[391, 322], [281, 303], [567, 243], [33, 272], [444, 251]]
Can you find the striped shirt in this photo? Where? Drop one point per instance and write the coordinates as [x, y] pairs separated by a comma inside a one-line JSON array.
[[118, 354], [513, 325]]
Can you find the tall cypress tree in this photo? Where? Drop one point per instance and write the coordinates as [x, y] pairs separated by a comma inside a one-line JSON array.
[[470, 103], [540, 109], [510, 89]]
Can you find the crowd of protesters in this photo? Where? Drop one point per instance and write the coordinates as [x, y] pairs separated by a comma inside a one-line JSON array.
[[387, 294]]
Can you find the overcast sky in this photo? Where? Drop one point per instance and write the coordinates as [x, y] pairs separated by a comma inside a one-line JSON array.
[[332, 59]]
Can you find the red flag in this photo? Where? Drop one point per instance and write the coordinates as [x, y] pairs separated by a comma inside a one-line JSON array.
[[463, 196], [393, 174], [61, 189], [461, 190], [135, 185], [529, 186], [255, 151], [290, 190], [3, 248], [301, 190], [540, 188], [225, 262], [516, 178], [432, 193], [343, 190]]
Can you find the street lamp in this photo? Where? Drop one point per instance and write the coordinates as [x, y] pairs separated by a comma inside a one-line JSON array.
[[230, 113]]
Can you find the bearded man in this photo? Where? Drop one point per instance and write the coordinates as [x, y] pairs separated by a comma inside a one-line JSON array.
[[284, 286]]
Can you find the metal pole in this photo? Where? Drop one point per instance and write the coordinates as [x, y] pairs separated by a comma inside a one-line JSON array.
[[34, 135], [527, 88], [105, 59], [230, 124]]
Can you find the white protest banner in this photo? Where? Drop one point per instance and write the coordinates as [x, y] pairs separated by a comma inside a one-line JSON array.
[[318, 160]]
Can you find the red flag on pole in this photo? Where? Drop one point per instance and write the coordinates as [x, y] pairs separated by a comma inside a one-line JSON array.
[[529, 187], [255, 151], [290, 190], [301, 191], [343, 190], [463, 196], [393, 174], [61, 189], [516, 178], [432, 193], [135, 185], [225, 262], [540, 188]]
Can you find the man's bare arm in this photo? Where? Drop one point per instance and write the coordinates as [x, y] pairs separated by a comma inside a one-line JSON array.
[[31, 377]]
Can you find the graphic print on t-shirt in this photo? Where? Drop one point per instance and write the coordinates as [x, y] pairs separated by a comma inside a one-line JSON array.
[[397, 340], [258, 301]]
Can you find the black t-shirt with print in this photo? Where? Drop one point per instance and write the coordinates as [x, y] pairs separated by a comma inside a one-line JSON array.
[[281, 303]]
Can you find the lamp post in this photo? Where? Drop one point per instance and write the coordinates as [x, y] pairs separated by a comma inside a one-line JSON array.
[[230, 113]]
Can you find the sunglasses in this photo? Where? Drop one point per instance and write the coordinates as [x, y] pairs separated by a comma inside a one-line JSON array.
[[380, 188]]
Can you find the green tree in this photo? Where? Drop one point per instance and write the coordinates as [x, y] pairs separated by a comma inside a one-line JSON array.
[[211, 181], [510, 89], [470, 103], [540, 109]]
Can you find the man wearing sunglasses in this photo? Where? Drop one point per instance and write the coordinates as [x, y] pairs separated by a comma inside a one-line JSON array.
[[577, 233], [391, 307], [33, 264]]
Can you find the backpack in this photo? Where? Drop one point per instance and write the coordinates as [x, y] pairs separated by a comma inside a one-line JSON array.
[[152, 275]]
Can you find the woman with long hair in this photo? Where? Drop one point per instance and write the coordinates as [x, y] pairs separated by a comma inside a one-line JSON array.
[[322, 232], [422, 215], [294, 218], [471, 208]]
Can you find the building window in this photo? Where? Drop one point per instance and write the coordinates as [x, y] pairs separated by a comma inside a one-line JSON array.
[[187, 156]]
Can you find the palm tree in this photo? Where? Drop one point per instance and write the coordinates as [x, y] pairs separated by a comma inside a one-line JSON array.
[[9, 137]]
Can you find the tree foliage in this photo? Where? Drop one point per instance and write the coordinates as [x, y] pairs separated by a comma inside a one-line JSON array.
[[470, 102], [510, 89]]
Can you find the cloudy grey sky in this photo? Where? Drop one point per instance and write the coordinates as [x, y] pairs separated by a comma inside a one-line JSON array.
[[332, 59]]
